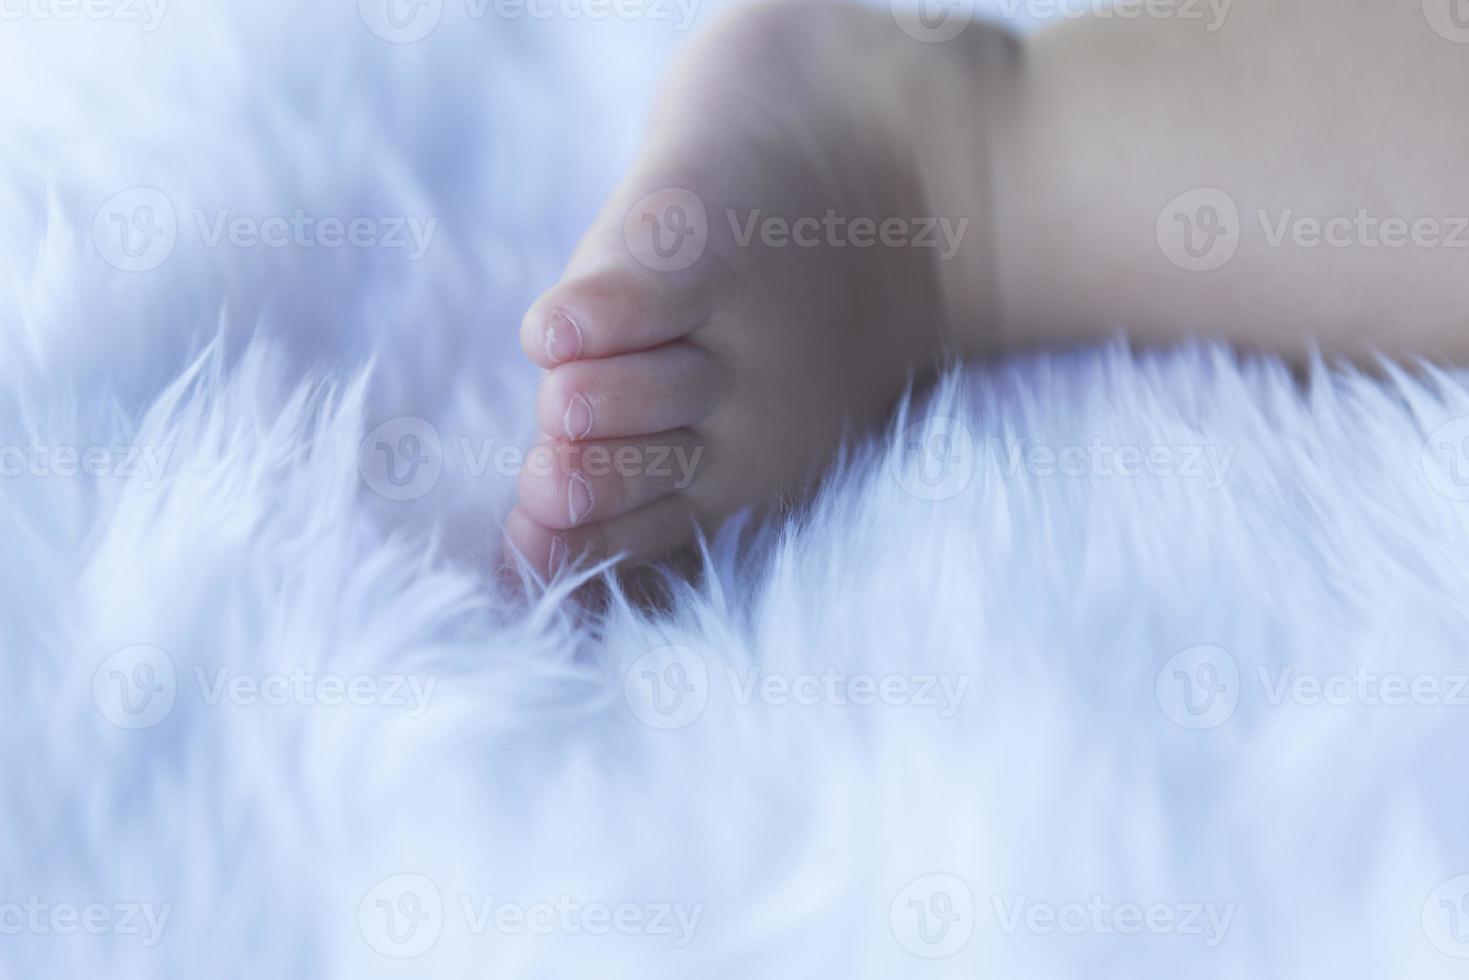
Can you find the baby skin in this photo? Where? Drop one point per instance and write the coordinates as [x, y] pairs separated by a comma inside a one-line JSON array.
[[833, 202]]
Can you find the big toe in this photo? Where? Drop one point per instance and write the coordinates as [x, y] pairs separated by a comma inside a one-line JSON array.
[[613, 311]]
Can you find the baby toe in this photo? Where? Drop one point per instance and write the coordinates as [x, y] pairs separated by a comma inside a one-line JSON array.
[[566, 485], [645, 534], [671, 387], [613, 311]]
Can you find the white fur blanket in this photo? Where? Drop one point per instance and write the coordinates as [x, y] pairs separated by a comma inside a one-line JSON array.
[[1099, 665]]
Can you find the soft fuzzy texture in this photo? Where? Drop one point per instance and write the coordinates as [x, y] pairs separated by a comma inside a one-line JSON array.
[[1062, 602]]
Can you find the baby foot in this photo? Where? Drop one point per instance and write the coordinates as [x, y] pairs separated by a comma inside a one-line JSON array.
[[733, 312]]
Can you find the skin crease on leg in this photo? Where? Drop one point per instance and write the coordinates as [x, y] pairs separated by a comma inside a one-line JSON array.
[[1060, 152]]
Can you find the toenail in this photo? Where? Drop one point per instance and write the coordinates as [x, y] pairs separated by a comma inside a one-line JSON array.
[[563, 338], [578, 498], [557, 558], [577, 418]]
